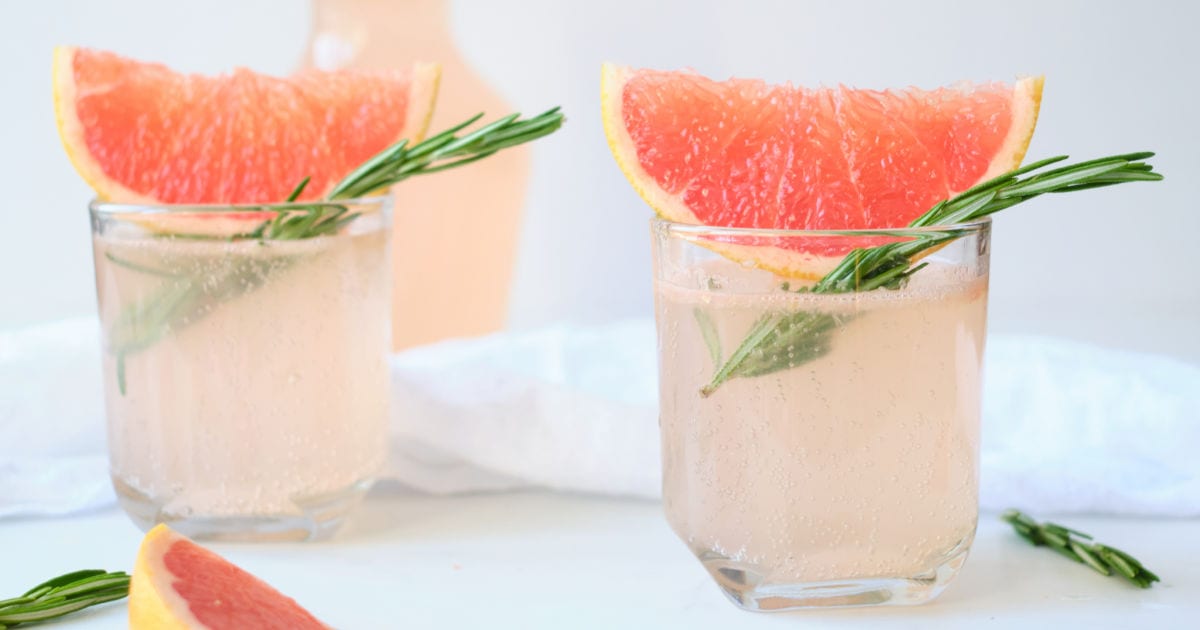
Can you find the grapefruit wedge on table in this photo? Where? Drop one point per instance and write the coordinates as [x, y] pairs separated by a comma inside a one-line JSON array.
[[142, 133], [178, 584], [744, 153]]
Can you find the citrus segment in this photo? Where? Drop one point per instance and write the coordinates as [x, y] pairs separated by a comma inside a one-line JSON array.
[[744, 153], [140, 132], [179, 584]]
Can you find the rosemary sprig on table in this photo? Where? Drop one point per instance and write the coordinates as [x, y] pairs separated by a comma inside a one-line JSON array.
[[183, 300], [1066, 541], [779, 341], [63, 595]]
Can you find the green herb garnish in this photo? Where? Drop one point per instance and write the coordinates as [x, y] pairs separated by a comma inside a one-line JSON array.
[[63, 595], [780, 341], [1066, 541]]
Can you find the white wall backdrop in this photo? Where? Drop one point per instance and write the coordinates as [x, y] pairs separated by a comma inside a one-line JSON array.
[[1114, 267]]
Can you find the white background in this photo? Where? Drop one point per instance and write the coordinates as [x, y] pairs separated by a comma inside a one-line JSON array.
[[1115, 267]]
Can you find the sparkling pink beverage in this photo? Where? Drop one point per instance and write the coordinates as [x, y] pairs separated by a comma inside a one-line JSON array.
[[849, 476], [246, 380]]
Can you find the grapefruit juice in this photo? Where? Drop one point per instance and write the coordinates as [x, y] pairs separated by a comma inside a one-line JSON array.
[[848, 477], [246, 381]]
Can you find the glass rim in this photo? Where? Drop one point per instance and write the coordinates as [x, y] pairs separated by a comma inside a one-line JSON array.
[[676, 228], [98, 206]]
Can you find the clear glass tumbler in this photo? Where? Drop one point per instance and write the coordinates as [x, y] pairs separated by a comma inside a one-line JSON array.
[[820, 446], [245, 363]]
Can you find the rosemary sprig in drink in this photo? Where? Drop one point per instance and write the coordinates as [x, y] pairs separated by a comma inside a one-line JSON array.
[[779, 341], [185, 300], [63, 595], [1102, 558]]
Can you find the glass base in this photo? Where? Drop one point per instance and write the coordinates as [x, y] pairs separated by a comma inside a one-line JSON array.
[[750, 590], [314, 518]]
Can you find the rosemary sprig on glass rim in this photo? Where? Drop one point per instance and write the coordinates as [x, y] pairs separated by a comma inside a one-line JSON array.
[[184, 300], [299, 220], [779, 341], [445, 151], [1102, 558], [63, 595]]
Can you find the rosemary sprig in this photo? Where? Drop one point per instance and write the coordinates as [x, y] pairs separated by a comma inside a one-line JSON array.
[[183, 300], [1102, 558], [63, 595], [444, 151], [780, 341]]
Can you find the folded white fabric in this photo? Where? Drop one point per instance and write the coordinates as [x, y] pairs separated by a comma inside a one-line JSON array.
[[52, 458], [1068, 427], [566, 408]]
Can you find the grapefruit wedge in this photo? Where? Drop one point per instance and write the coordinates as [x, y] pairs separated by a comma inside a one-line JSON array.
[[142, 133], [178, 584], [744, 153]]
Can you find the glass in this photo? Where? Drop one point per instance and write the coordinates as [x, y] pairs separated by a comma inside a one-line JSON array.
[[848, 475], [245, 379]]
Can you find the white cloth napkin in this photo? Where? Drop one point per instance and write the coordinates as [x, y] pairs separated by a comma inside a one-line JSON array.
[[52, 458], [1068, 427]]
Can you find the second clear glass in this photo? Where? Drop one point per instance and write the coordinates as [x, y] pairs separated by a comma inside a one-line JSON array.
[[840, 468]]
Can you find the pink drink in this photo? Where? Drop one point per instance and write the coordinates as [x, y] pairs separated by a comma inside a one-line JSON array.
[[850, 478], [259, 410]]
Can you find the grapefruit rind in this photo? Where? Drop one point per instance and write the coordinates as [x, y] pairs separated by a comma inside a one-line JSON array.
[[667, 206], [1027, 96], [161, 598], [1027, 104], [612, 84], [148, 608], [425, 84], [71, 133]]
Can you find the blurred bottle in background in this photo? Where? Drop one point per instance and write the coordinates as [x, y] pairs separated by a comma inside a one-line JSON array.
[[454, 233]]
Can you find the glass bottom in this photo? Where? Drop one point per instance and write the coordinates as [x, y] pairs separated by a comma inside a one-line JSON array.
[[751, 590], [313, 518]]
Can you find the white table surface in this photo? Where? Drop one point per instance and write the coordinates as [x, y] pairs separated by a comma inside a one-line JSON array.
[[540, 560]]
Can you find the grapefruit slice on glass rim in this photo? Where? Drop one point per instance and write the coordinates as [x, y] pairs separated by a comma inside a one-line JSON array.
[[178, 584], [141, 133], [743, 153]]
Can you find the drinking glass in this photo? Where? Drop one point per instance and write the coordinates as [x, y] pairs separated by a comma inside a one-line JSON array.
[[836, 464], [245, 362]]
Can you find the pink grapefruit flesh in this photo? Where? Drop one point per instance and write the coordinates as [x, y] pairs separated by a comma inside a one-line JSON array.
[[140, 132], [179, 584], [748, 154]]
